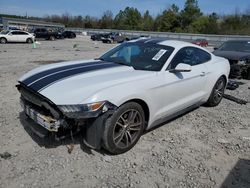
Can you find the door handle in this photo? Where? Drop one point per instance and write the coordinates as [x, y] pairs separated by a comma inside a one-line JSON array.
[[202, 74]]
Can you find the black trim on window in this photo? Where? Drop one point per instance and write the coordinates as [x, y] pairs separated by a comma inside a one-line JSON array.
[[201, 59]]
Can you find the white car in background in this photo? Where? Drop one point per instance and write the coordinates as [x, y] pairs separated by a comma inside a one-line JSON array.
[[130, 89], [16, 36]]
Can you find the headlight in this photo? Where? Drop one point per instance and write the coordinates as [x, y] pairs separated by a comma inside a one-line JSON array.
[[83, 111], [81, 107]]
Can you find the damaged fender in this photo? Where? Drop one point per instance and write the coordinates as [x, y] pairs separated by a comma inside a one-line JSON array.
[[94, 131]]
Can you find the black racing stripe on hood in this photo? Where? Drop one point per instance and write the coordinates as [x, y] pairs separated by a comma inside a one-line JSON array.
[[45, 73], [51, 79]]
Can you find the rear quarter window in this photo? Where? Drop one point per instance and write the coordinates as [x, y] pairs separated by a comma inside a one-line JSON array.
[[22, 33], [204, 56]]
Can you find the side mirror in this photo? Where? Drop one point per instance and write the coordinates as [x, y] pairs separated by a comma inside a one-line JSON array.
[[182, 67]]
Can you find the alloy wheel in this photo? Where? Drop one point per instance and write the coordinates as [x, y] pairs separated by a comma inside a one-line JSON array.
[[219, 90], [127, 128]]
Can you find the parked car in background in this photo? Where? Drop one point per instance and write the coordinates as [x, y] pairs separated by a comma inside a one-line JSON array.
[[16, 36], [97, 37], [68, 34], [46, 33], [201, 42], [238, 54], [130, 89], [14, 28], [134, 37], [114, 38]]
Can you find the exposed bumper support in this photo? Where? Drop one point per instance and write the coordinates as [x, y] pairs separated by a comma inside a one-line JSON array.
[[45, 125], [47, 122]]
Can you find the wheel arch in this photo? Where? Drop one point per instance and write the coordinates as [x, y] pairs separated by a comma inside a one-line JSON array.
[[4, 38], [29, 38], [144, 106], [212, 83], [211, 101], [224, 76]]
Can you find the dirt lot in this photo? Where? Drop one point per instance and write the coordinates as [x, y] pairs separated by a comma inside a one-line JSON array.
[[208, 147]]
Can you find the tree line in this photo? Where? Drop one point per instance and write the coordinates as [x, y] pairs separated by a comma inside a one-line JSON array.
[[190, 19]]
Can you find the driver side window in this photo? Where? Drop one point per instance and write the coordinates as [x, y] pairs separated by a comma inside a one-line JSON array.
[[187, 55], [14, 33], [191, 56]]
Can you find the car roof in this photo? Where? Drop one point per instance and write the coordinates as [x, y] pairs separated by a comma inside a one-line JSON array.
[[177, 44], [165, 42], [18, 31]]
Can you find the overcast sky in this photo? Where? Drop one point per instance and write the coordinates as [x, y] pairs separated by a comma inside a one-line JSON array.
[[97, 7]]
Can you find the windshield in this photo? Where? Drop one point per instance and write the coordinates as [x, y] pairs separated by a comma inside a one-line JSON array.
[[243, 46], [141, 56], [4, 32]]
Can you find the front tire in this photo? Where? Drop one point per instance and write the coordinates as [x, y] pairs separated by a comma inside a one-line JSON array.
[[3, 40], [217, 92], [124, 128]]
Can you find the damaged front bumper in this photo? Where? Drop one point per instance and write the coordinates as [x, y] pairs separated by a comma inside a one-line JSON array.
[[46, 122], [58, 122]]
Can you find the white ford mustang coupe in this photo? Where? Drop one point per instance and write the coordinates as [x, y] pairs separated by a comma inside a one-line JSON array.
[[130, 89]]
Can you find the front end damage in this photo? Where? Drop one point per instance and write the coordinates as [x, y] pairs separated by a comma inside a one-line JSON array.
[[240, 69], [54, 121]]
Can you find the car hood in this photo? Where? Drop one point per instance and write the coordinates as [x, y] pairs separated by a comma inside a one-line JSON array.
[[68, 83], [232, 55]]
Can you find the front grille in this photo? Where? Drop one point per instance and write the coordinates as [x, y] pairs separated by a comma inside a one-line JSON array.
[[38, 102], [30, 97]]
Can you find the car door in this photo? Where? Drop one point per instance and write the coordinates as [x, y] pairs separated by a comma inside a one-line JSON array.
[[22, 36], [179, 90], [39, 33], [13, 36], [36, 32]]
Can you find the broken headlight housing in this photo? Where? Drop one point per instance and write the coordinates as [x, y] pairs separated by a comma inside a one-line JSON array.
[[86, 110]]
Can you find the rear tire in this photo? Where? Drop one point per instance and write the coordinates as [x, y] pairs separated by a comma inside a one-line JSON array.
[[217, 92], [124, 128], [3, 40], [29, 40]]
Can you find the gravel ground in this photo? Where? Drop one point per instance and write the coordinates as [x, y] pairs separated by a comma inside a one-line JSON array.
[[208, 147]]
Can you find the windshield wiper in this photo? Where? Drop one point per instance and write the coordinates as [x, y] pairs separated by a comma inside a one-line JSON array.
[[102, 59], [99, 58], [121, 63]]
